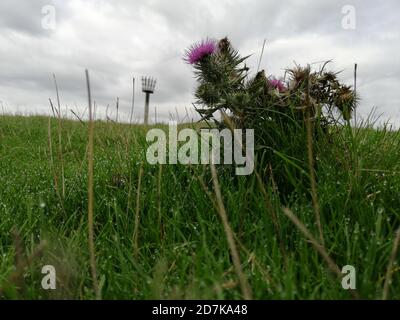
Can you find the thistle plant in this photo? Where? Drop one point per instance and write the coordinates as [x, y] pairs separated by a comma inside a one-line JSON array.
[[224, 85], [277, 109]]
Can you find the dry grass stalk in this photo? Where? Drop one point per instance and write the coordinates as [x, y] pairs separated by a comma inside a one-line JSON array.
[[79, 118], [309, 125], [51, 157], [137, 215], [133, 100], [90, 194], [389, 271], [160, 220], [53, 110], [117, 107], [60, 152]]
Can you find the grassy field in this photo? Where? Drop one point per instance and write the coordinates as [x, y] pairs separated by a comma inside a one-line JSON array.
[[158, 233]]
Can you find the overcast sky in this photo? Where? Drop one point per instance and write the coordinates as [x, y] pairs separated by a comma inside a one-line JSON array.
[[120, 39]]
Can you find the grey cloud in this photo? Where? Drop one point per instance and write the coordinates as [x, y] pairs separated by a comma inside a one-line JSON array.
[[23, 16], [118, 40]]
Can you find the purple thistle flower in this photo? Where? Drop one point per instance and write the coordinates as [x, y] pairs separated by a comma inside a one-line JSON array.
[[200, 50], [277, 84]]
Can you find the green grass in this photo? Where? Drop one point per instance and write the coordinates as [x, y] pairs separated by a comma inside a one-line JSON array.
[[182, 247]]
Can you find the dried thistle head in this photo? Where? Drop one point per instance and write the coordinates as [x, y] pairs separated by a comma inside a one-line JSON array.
[[298, 77], [223, 45], [345, 101], [258, 81], [328, 76]]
